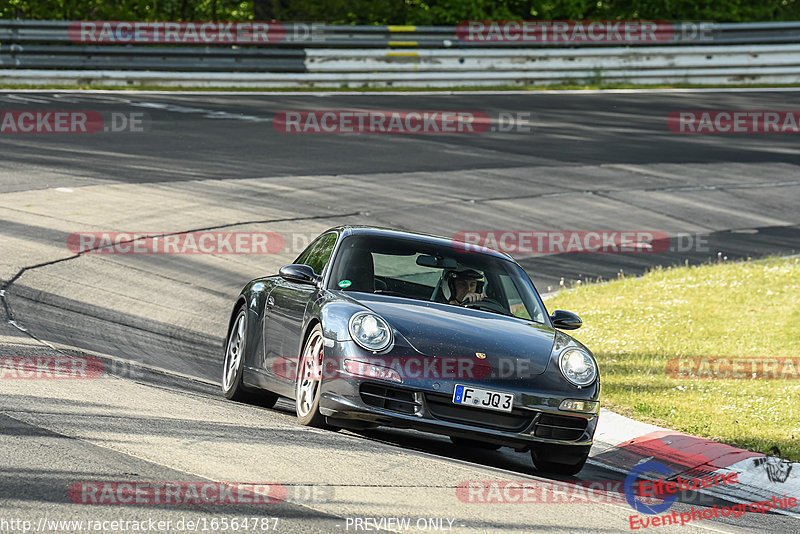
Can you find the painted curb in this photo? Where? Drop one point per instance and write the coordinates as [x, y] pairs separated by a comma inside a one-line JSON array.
[[622, 443]]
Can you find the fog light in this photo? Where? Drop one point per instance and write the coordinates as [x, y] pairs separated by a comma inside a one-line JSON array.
[[570, 405], [370, 370]]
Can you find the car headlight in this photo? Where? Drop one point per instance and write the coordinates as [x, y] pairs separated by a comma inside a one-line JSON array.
[[577, 367], [370, 331]]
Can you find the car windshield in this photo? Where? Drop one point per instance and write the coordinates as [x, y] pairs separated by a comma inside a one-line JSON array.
[[417, 270]]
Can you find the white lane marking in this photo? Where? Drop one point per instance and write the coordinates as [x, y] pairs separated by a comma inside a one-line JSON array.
[[74, 98], [207, 113], [18, 326], [66, 97], [730, 186], [28, 99]]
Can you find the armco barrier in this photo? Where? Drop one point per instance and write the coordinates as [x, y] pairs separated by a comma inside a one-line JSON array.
[[158, 58], [778, 75], [42, 52], [569, 61], [336, 36]]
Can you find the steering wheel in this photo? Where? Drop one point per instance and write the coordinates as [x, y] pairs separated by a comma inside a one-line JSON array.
[[492, 305]]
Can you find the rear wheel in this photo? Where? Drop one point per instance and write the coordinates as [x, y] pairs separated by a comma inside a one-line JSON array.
[[233, 366], [309, 380]]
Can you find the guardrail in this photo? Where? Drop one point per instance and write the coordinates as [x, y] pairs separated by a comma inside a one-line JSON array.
[[156, 58], [338, 36], [46, 52]]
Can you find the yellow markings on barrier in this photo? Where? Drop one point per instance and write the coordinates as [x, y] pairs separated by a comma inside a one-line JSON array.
[[402, 43], [402, 28], [409, 54]]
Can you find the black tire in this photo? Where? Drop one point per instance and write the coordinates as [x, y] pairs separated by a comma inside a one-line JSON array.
[[309, 380], [567, 464], [233, 366], [466, 442]]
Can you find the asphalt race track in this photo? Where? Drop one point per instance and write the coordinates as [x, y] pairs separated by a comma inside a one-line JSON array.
[[216, 162]]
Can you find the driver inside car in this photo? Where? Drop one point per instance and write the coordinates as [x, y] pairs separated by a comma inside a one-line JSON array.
[[465, 286]]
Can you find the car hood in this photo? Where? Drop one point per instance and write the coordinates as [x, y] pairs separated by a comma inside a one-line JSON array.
[[442, 330]]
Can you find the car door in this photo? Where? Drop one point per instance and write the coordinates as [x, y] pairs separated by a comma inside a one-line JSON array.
[[284, 314]]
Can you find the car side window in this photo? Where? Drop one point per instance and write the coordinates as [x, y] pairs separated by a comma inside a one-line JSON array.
[[303, 257], [319, 254]]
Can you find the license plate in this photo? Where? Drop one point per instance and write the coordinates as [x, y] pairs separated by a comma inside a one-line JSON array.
[[483, 398]]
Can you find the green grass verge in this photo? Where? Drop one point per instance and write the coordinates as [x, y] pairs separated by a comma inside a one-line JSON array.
[[734, 310], [534, 88]]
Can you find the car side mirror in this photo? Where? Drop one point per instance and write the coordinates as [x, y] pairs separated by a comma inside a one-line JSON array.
[[565, 320], [302, 274]]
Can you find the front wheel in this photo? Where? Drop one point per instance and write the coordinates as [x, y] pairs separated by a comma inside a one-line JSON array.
[[232, 367], [309, 380]]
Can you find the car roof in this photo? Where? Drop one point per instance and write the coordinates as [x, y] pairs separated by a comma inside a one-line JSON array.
[[348, 230]]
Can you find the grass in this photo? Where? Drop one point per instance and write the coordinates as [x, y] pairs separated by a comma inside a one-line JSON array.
[[734, 310], [558, 87]]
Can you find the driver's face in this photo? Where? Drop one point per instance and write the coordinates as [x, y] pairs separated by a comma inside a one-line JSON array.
[[463, 287]]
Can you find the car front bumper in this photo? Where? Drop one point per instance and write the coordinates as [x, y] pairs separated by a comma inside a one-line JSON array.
[[426, 405]]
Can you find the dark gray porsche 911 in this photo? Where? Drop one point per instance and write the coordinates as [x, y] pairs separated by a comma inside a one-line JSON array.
[[373, 327]]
